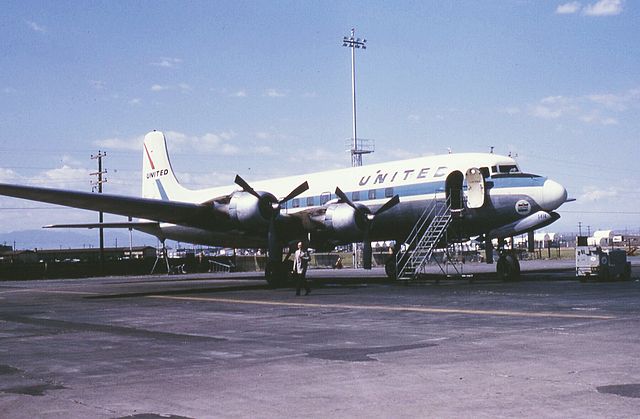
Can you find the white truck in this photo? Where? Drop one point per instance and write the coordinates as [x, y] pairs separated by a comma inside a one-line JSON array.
[[592, 261]]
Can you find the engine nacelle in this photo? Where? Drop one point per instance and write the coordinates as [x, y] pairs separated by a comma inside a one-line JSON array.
[[534, 221], [248, 210], [344, 222]]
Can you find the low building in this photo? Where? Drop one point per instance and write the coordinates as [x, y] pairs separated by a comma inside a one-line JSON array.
[[78, 255]]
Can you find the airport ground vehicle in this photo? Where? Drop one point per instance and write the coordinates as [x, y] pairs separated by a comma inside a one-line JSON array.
[[593, 261]]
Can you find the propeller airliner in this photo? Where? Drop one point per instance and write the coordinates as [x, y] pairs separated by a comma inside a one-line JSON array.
[[490, 195]]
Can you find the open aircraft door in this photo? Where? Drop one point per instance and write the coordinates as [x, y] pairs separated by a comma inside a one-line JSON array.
[[475, 188]]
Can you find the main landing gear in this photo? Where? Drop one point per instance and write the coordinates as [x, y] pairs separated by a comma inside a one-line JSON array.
[[508, 267], [390, 266], [277, 274]]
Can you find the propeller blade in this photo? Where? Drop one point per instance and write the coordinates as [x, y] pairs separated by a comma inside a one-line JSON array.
[[297, 191], [346, 199], [388, 205], [245, 186]]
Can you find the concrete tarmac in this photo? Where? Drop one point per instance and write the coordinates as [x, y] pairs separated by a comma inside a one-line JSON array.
[[225, 345]]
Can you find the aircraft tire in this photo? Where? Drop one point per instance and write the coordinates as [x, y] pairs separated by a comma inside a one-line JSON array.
[[276, 274], [390, 268], [626, 275], [508, 268]]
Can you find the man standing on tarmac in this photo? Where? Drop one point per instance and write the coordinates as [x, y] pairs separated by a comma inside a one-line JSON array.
[[300, 261]]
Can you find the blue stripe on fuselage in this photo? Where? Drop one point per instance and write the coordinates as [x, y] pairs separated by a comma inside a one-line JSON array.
[[427, 188]]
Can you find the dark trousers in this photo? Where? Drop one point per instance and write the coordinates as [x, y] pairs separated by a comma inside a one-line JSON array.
[[301, 282]]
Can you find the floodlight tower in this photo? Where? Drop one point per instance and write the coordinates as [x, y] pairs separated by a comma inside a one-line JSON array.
[[358, 148]]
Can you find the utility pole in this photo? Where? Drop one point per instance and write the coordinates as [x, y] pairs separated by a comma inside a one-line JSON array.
[[358, 147], [97, 185], [579, 228]]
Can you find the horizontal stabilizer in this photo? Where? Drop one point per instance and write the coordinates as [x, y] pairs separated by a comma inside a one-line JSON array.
[[133, 225]]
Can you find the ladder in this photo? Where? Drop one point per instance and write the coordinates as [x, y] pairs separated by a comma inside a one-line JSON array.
[[429, 230]]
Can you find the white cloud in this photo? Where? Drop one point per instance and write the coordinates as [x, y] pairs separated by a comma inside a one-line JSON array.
[[7, 175], [604, 8], [414, 118], [239, 93], [274, 93], [222, 143], [592, 109], [183, 87], [64, 177], [167, 62], [568, 8], [618, 102], [134, 143], [595, 118], [594, 193], [217, 143], [135, 101], [69, 160], [178, 142], [546, 112], [159, 88], [36, 27], [9, 90]]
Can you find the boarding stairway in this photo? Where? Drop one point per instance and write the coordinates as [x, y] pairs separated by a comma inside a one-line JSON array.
[[430, 229]]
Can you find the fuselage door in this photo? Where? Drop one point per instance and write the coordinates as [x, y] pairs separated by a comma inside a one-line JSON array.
[[475, 188]]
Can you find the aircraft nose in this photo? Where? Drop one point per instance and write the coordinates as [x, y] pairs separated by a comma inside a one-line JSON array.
[[553, 195]]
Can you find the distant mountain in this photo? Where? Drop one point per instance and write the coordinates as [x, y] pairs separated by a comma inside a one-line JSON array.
[[65, 239]]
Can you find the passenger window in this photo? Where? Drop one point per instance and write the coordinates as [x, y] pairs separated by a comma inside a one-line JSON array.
[[295, 203], [355, 196], [310, 201], [388, 192], [372, 194], [324, 198]]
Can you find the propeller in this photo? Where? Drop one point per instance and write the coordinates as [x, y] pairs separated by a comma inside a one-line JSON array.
[[366, 219], [268, 199], [269, 207]]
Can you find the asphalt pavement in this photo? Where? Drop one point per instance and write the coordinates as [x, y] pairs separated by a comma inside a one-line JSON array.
[[226, 345]]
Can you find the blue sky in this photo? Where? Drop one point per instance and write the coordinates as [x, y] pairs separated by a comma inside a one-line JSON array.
[[263, 89]]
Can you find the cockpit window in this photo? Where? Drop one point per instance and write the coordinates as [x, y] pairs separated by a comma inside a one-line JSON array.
[[508, 168]]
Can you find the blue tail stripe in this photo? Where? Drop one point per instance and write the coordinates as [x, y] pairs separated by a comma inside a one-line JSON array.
[[163, 193]]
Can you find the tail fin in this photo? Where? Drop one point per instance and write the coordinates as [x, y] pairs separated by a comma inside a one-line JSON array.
[[158, 179]]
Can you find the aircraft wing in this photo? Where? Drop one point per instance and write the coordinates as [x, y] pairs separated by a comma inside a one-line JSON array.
[[196, 215]]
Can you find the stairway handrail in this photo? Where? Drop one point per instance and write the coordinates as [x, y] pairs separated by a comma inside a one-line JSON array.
[[420, 233]]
